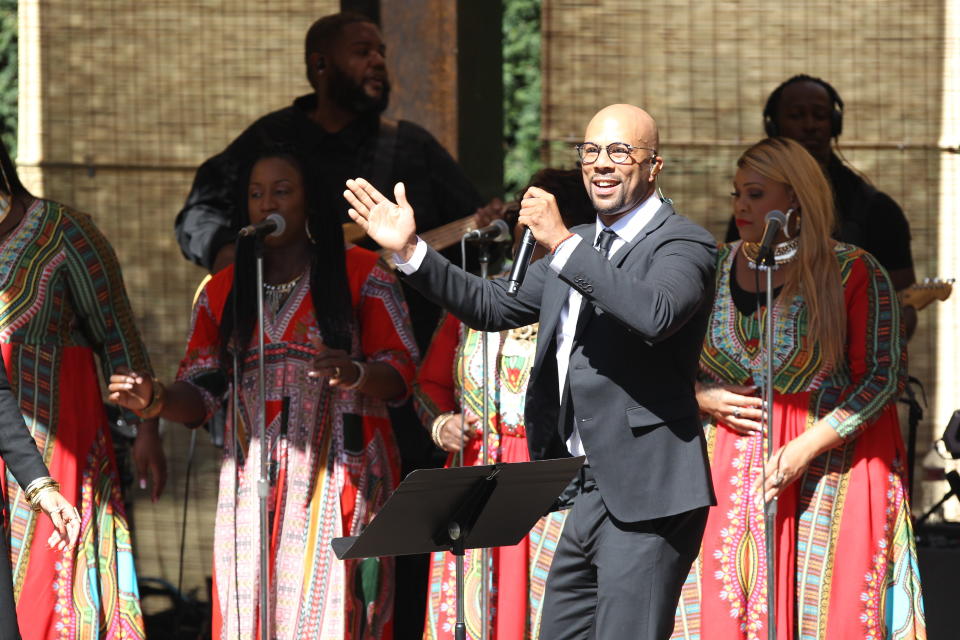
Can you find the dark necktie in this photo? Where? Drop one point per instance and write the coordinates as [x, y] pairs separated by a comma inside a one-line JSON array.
[[603, 244], [605, 241]]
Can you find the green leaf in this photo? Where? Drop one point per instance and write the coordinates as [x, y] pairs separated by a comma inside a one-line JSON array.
[[521, 93]]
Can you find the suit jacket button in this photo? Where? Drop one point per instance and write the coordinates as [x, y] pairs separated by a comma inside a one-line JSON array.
[[588, 288]]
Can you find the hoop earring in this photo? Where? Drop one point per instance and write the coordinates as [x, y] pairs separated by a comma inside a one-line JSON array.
[[306, 226], [786, 227]]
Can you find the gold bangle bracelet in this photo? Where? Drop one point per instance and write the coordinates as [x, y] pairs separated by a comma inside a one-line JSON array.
[[437, 426], [361, 376], [37, 488]]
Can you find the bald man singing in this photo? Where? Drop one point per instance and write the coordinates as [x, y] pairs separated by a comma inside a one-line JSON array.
[[623, 306]]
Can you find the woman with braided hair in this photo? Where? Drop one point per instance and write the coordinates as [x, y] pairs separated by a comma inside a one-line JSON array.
[[338, 349]]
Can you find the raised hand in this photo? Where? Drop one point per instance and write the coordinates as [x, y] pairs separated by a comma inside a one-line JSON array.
[[390, 225], [539, 213]]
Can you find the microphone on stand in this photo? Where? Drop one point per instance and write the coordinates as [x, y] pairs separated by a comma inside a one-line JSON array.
[[775, 221], [496, 231], [273, 225], [520, 262]]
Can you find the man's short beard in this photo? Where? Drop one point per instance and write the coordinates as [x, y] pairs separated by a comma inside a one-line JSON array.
[[351, 97], [609, 209]]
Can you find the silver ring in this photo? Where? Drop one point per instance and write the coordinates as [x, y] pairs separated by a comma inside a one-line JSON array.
[[736, 412], [778, 479]]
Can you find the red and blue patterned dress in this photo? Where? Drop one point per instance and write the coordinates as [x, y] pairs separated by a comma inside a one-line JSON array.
[[846, 557], [336, 462], [450, 379], [64, 301]]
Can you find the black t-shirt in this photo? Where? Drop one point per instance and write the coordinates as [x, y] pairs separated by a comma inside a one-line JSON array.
[[436, 185], [866, 216]]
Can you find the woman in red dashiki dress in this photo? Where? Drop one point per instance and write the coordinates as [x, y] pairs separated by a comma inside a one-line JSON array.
[[449, 391], [63, 303], [845, 553], [338, 348]]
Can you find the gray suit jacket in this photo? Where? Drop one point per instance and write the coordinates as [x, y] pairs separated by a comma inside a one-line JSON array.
[[633, 362]]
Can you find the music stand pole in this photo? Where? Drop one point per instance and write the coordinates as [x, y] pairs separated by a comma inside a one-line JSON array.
[[768, 264], [263, 483]]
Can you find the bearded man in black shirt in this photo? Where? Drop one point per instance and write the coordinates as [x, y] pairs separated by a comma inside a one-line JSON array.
[[340, 127]]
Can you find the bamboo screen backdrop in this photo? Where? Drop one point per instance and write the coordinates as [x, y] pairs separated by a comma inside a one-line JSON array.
[[121, 101], [704, 71]]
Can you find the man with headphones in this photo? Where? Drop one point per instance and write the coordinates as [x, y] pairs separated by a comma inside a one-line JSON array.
[[810, 111]]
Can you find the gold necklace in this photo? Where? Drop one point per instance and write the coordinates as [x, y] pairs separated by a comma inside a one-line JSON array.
[[276, 294]]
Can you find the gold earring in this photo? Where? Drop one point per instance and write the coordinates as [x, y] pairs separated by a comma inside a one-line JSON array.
[[306, 225]]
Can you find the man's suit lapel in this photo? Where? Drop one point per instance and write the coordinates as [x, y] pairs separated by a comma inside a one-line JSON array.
[[664, 212], [587, 309]]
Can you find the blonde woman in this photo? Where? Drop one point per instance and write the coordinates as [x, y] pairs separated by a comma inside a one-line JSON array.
[[846, 558]]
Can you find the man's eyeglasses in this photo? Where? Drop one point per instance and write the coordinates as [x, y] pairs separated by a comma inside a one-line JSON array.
[[619, 152]]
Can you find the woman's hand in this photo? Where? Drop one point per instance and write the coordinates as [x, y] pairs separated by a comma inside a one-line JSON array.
[[149, 459], [130, 390], [734, 406], [788, 464], [457, 431], [336, 365], [66, 520]]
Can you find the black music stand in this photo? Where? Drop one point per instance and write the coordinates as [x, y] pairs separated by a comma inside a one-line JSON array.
[[462, 508]]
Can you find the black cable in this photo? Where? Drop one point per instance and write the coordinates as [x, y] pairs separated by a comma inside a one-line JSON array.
[[183, 534]]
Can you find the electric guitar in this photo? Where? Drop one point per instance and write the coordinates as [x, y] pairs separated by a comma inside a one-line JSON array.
[[921, 294]]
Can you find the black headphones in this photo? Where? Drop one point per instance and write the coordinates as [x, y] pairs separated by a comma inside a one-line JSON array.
[[773, 103]]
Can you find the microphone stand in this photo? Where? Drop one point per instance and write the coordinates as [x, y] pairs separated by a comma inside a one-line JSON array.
[[460, 627], [484, 453], [263, 482], [767, 265]]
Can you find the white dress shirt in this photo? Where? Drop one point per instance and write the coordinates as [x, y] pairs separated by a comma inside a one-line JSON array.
[[626, 229]]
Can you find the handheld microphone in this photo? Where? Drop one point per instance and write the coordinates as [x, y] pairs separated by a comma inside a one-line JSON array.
[[273, 225], [520, 262], [775, 221], [496, 231]]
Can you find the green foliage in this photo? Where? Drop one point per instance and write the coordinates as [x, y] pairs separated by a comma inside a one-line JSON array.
[[521, 92], [8, 75]]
